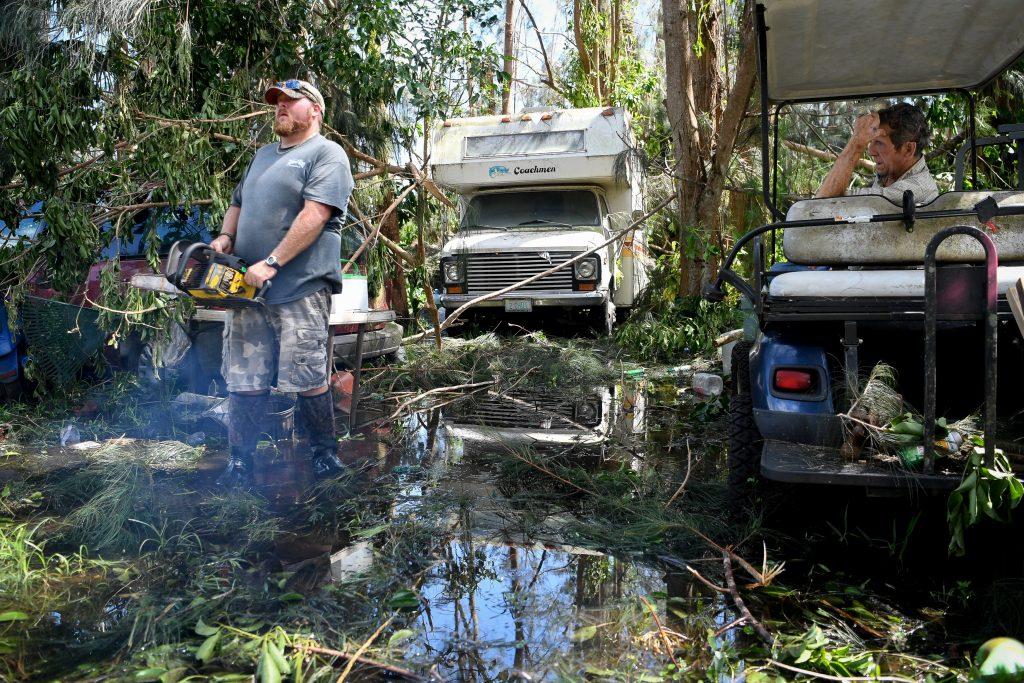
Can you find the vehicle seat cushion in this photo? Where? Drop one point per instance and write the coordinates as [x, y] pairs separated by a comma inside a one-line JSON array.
[[901, 283], [889, 242]]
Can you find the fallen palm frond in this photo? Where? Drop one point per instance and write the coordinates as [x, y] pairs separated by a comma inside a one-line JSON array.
[[874, 417], [116, 491]]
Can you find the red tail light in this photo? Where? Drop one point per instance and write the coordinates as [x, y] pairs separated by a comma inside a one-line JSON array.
[[795, 381]]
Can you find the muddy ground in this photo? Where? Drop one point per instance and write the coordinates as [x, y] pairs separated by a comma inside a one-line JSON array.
[[561, 515]]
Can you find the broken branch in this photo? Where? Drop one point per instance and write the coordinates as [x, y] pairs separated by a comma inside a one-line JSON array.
[[737, 599], [862, 164]]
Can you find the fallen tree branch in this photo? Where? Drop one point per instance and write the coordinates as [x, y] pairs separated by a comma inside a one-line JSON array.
[[548, 472], [395, 248], [862, 164], [682, 486], [730, 626], [437, 390], [842, 679], [432, 188], [737, 599], [227, 119], [397, 671], [661, 631], [362, 648], [550, 80], [707, 582], [723, 339], [112, 210], [565, 264], [376, 230]]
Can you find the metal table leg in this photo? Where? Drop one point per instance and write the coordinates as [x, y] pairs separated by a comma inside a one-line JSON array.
[[356, 376]]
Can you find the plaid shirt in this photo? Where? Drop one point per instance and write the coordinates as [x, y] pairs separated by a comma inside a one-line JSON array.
[[917, 178]]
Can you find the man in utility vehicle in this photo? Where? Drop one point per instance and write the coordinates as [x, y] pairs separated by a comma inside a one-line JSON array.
[[895, 138]]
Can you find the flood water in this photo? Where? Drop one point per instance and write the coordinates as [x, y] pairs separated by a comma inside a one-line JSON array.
[[465, 528]]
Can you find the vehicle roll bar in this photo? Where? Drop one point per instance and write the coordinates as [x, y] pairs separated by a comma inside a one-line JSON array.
[[931, 316]]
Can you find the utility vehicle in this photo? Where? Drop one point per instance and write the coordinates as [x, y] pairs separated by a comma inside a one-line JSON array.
[[536, 189], [919, 287]]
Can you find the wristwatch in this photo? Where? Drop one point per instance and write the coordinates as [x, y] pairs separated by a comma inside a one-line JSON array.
[[272, 261]]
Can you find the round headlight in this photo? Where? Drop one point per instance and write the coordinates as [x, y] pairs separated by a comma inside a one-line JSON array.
[[453, 271], [588, 413], [586, 269]]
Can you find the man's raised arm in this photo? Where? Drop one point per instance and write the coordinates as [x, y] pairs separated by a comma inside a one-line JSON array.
[[865, 128]]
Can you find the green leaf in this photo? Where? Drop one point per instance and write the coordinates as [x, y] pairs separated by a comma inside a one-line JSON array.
[[13, 616], [583, 633], [205, 651], [292, 597], [205, 629], [269, 672], [399, 637], [371, 532], [404, 599], [153, 674], [174, 675]]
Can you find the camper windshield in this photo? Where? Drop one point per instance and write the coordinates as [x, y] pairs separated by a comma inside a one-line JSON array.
[[532, 209]]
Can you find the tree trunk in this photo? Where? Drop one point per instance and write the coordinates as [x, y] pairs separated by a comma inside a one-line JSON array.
[[614, 48], [581, 46], [395, 287], [703, 134], [510, 46]]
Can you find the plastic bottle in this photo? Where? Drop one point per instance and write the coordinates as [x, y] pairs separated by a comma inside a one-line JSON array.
[[913, 456], [707, 384]]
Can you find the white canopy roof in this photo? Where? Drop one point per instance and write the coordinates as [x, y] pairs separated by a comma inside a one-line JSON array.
[[823, 49]]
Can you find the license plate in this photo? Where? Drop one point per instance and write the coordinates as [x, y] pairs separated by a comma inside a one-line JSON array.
[[518, 305]]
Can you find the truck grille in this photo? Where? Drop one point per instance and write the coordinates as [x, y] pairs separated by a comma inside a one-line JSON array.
[[518, 411], [491, 272]]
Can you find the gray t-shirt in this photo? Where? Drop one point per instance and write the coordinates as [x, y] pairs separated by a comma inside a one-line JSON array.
[[272, 193]]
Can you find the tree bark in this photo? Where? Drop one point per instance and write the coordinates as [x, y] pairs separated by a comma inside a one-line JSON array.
[[395, 286], [614, 47], [703, 132], [509, 66], [581, 45]]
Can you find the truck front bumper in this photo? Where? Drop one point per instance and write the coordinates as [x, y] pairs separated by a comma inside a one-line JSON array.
[[550, 299]]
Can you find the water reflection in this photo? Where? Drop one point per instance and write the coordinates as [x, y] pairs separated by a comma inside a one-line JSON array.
[[549, 420]]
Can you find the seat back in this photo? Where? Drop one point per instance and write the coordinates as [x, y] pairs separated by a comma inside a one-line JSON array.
[[888, 242]]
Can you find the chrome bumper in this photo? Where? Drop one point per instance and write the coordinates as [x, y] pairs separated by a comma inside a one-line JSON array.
[[574, 299]]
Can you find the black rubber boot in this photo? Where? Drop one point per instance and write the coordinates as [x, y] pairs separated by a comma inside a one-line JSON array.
[[238, 474], [317, 412], [246, 413]]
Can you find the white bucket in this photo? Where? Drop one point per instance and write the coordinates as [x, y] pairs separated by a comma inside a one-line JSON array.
[[354, 294]]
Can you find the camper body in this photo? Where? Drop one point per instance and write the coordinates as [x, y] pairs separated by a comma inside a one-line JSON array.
[[536, 190]]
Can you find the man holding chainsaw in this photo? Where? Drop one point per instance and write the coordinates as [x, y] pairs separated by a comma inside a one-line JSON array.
[[285, 219]]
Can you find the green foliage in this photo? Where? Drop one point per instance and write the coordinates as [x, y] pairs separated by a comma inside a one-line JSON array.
[[816, 651], [107, 108], [992, 492], [35, 582], [686, 328]]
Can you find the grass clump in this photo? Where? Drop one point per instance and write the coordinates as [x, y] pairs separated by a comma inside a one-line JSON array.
[[114, 498], [38, 587]]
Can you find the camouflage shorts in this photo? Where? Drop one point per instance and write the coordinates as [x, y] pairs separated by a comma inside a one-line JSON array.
[[286, 342]]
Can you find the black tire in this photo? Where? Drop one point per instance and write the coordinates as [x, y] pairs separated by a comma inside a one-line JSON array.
[[13, 391], [745, 442], [601, 319]]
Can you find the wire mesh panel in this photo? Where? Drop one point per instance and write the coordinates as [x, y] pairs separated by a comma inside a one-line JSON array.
[[60, 336]]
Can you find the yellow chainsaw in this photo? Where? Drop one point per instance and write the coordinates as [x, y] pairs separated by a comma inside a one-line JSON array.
[[211, 278]]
